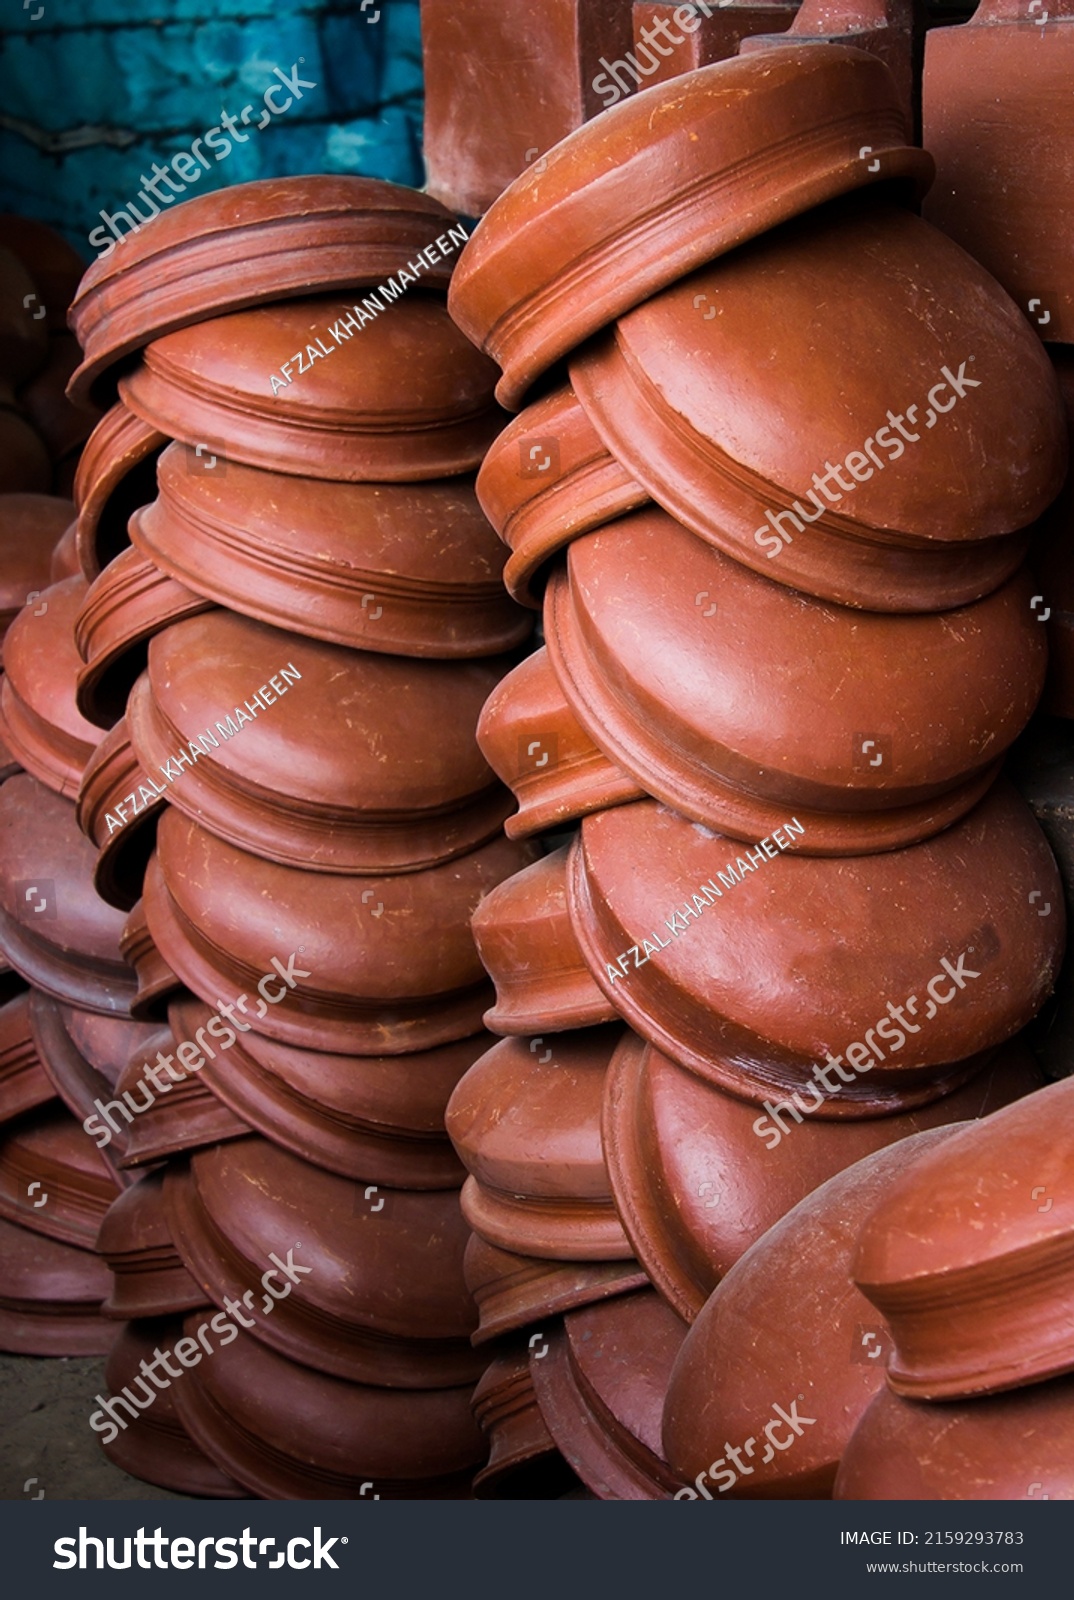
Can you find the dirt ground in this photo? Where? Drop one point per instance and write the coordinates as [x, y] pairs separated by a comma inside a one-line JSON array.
[[46, 1442]]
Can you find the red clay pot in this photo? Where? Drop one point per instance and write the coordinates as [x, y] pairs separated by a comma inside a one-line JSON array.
[[157, 983], [182, 1115], [64, 562], [63, 427], [117, 809], [47, 1153], [31, 526], [24, 464], [54, 265], [24, 1083], [116, 474], [39, 718], [50, 1297], [885, 28], [149, 1278], [523, 1463], [702, 37], [514, 1291]]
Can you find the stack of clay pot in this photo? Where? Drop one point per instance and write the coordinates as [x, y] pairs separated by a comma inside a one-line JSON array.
[[781, 446], [294, 615]]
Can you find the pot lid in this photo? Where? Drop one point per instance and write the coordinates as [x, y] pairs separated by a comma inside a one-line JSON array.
[[116, 474], [40, 720], [515, 1291], [48, 1153]]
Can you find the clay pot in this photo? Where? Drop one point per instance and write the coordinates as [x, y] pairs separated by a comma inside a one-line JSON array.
[[547, 478], [403, 569], [885, 28], [530, 737], [286, 1433], [670, 179], [157, 983], [256, 242], [383, 1301], [47, 1153], [734, 453], [600, 1385], [513, 1291], [24, 464], [63, 427], [23, 335], [1002, 175], [54, 265], [404, 790], [41, 723], [1011, 1447], [62, 938], [130, 602], [376, 1119], [31, 526], [524, 936], [390, 961], [526, 1124], [523, 1463], [706, 36], [689, 671], [117, 809], [970, 1265], [1050, 560], [149, 1278], [64, 562], [50, 1297], [116, 475], [24, 1083], [698, 1177], [180, 1115], [155, 1446], [805, 954], [786, 1328], [413, 402]]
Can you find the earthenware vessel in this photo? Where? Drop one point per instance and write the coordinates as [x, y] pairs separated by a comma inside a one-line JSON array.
[[885, 28], [54, 265], [24, 1083], [23, 334], [31, 526], [515, 1291], [149, 1278], [523, 1463], [117, 809], [50, 1297], [65, 562], [175, 1110], [47, 1153], [24, 464], [40, 720], [706, 37], [116, 474], [63, 427], [157, 983]]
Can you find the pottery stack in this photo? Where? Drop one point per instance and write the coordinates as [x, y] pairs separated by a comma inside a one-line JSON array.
[[781, 448], [294, 615]]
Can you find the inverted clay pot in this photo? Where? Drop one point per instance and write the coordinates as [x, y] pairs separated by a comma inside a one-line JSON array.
[[117, 809], [698, 1176], [754, 980], [130, 602], [970, 1258], [287, 1433], [24, 1083], [175, 1110], [412, 401], [523, 1462], [600, 1386], [65, 563], [525, 938], [741, 455], [116, 475], [389, 963], [1006, 1447], [383, 1300], [530, 737], [515, 1291], [261, 241], [41, 722], [47, 1153], [526, 1123], [689, 672], [266, 767], [157, 983], [786, 1326], [50, 1297], [61, 937], [545, 479], [31, 526], [149, 1278], [375, 1119], [666, 181], [402, 569]]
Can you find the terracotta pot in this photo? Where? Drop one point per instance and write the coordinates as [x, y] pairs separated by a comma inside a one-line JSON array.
[[403, 569], [734, 454], [287, 1433], [523, 1463], [49, 1149], [1051, 562], [41, 723], [524, 936], [116, 475], [117, 809], [416, 403], [526, 1124], [256, 242], [698, 1177], [885, 28], [600, 1386], [672, 178], [1011, 1447], [23, 335], [31, 526], [967, 1262], [514, 1291], [24, 1083], [391, 962], [1002, 175], [24, 464], [157, 983], [786, 1328], [384, 1301], [530, 737], [149, 1278], [50, 1297], [154, 1445], [689, 672], [706, 36], [64, 562], [547, 478], [122, 610], [173, 1114], [405, 790], [376, 1119], [805, 954], [63, 427], [63, 939], [54, 265]]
